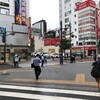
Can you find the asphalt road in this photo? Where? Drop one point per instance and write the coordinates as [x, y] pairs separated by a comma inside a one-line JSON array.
[[70, 76]]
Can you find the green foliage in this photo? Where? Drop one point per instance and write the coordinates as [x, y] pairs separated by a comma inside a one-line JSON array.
[[66, 44]]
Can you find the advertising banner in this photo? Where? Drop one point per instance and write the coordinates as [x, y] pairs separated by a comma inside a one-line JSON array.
[[29, 31], [17, 11], [23, 12]]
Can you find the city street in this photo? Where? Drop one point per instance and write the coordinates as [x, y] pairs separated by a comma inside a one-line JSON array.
[[58, 82]]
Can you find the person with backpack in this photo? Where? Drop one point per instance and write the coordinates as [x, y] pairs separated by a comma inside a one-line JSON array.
[[95, 72]]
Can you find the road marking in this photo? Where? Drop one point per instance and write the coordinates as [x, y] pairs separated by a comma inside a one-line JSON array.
[[16, 70], [79, 80], [35, 96], [16, 94]]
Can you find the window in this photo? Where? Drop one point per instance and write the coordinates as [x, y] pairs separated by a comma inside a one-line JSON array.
[[4, 11], [5, 0], [66, 20]]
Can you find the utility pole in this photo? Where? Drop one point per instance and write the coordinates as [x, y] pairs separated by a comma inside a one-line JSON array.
[[61, 38], [70, 41]]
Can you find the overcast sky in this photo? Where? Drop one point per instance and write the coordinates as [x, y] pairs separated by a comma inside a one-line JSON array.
[[47, 10]]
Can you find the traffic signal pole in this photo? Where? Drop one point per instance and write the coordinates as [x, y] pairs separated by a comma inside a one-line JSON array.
[[5, 49], [61, 39]]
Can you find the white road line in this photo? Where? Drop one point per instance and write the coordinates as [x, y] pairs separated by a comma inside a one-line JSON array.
[[84, 93], [35, 96]]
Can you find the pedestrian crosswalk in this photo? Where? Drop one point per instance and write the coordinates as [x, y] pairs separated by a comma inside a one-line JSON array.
[[39, 93]]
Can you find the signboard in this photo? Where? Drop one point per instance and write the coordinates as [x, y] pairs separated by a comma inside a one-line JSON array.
[[2, 31], [85, 4], [23, 12], [17, 11]]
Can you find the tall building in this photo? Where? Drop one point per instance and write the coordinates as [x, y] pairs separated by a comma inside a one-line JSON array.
[[87, 26], [83, 16], [68, 14], [15, 17]]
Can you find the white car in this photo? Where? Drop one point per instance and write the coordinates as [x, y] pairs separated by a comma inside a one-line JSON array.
[[55, 55]]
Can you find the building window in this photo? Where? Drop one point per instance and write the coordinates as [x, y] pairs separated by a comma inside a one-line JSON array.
[[75, 29], [4, 0], [66, 20], [4, 11], [74, 15]]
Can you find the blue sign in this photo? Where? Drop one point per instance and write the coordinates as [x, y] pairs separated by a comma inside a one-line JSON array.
[[2, 31]]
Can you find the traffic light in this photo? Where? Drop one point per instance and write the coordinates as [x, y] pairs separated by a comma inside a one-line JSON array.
[[3, 39]]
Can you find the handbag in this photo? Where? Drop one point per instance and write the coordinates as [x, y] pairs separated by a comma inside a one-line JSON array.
[[95, 72], [32, 65]]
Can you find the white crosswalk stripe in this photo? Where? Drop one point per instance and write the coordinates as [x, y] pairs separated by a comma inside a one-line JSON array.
[[45, 93]]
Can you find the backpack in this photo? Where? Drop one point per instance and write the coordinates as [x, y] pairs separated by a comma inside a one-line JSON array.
[[95, 71]]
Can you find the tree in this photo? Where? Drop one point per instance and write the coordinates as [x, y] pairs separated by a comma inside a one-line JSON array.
[[66, 44]]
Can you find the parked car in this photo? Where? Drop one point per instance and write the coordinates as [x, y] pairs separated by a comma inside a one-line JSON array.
[[55, 55], [46, 55]]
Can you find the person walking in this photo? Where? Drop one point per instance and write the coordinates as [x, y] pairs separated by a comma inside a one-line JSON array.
[[61, 59], [16, 60], [97, 65], [81, 57], [42, 60], [37, 68]]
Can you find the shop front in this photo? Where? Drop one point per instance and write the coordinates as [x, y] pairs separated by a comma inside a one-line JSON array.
[[87, 50]]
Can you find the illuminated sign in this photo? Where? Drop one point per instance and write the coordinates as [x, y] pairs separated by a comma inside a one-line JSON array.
[[4, 4], [23, 12], [17, 11], [2, 31]]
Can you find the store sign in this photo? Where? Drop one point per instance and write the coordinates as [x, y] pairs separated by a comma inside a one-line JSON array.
[[52, 42], [29, 31], [23, 12], [85, 4], [2, 31], [17, 11]]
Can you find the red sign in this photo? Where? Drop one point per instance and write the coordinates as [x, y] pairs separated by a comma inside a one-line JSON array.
[[85, 4], [52, 42], [85, 48], [96, 17]]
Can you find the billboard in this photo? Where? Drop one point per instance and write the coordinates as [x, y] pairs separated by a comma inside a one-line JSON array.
[[29, 31], [23, 12], [17, 11]]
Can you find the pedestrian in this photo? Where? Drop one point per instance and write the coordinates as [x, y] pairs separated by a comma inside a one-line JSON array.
[[45, 59], [37, 68], [97, 75], [16, 60], [94, 56], [61, 59], [42, 60], [81, 57]]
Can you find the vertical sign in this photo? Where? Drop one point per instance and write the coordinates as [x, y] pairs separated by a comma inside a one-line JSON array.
[[17, 11], [23, 12], [29, 31], [96, 23]]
